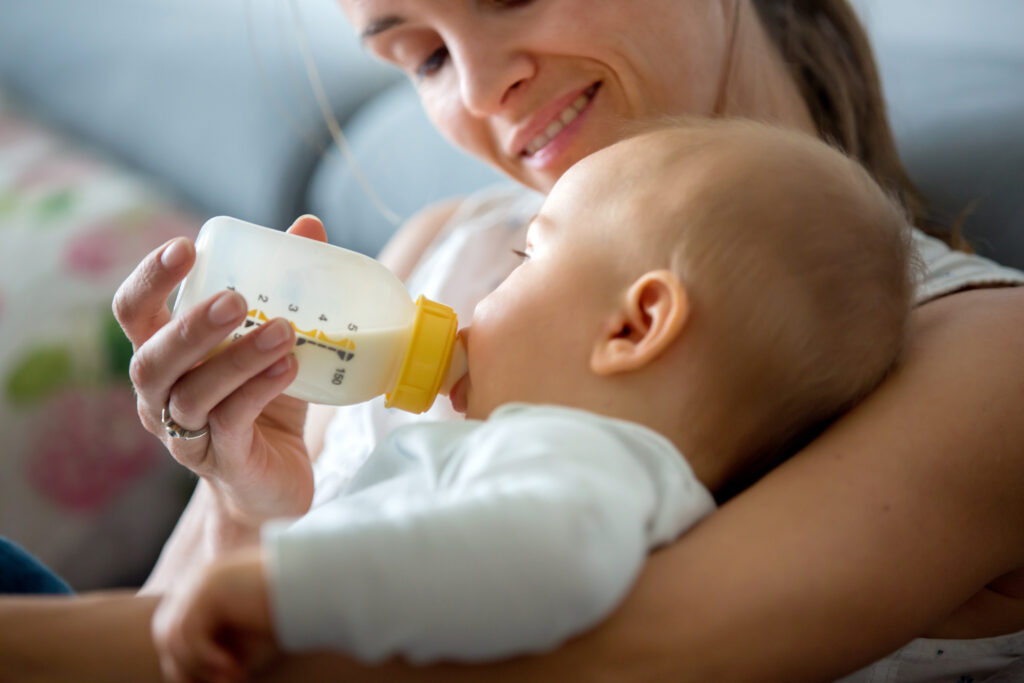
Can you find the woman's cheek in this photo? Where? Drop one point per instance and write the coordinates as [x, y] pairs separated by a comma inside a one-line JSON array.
[[443, 108]]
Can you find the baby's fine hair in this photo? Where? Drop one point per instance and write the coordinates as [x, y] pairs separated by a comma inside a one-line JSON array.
[[803, 266]]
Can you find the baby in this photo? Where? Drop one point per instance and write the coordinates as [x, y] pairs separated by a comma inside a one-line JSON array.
[[693, 302]]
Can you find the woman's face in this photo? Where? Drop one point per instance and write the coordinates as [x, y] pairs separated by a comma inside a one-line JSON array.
[[532, 86]]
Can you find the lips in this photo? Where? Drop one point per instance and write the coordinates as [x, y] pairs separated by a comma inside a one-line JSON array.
[[458, 394], [551, 121]]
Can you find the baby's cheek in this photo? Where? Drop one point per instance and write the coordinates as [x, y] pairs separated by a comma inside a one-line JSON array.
[[490, 313]]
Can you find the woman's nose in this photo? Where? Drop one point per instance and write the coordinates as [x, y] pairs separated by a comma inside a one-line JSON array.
[[489, 72]]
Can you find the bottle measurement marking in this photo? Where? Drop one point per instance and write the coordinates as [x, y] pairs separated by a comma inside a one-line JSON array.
[[344, 347]]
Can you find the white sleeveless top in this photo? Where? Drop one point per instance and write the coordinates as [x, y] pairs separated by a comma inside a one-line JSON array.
[[473, 254]]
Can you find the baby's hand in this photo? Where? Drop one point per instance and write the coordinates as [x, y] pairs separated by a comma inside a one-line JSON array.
[[218, 626]]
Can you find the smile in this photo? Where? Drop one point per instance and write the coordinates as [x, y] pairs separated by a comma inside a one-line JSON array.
[[564, 118]]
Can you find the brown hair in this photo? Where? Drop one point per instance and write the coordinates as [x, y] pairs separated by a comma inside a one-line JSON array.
[[831, 60]]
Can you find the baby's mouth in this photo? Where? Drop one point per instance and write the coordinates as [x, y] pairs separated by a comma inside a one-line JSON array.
[[564, 118], [458, 395]]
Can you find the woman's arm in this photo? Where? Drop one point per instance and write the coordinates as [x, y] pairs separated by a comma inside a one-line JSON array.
[[875, 532], [405, 249], [204, 533], [101, 637]]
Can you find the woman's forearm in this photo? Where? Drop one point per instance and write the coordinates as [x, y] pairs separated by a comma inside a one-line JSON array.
[[102, 637], [853, 547], [204, 532]]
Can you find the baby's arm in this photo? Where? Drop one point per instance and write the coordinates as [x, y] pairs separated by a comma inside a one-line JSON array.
[[533, 532]]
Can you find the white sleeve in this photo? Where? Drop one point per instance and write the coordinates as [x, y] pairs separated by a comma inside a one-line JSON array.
[[535, 531]]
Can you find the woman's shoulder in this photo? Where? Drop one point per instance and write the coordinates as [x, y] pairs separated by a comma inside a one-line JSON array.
[[407, 246], [946, 271], [505, 204], [473, 252], [502, 205]]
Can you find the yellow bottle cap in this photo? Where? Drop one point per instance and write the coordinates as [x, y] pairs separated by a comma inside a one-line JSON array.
[[426, 357]]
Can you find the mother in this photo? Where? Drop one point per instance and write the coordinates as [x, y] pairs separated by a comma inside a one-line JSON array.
[[903, 519]]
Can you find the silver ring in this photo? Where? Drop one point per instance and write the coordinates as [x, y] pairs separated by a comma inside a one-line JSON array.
[[176, 431]]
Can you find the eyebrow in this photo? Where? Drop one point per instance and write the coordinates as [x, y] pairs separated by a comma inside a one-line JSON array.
[[378, 26]]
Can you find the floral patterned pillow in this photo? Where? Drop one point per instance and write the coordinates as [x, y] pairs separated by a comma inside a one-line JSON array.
[[82, 485]]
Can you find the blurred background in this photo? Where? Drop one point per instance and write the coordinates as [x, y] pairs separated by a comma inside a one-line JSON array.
[[126, 122]]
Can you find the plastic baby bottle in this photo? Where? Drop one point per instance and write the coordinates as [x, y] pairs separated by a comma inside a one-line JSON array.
[[358, 332]]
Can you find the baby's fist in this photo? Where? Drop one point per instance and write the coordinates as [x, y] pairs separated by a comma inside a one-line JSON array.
[[217, 626]]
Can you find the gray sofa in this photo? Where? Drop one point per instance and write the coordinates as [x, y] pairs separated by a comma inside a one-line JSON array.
[[207, 101]]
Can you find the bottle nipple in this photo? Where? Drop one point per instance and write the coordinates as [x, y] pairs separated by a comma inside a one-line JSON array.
[[456, 367]]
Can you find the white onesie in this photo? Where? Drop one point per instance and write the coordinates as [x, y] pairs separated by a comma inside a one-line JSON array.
[[473, 540]]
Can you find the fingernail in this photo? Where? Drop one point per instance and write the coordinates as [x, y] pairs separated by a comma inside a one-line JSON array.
[[272, 335], [176, 253], [228, 306], [280, 367]]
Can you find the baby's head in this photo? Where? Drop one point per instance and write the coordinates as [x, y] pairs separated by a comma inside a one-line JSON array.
[[729, 284]]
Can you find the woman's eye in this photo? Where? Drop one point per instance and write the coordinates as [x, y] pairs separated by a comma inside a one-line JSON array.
[[521, 254], [433, 63]]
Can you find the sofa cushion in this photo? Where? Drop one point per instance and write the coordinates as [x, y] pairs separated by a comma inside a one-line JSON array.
[[82, 485], [182, 90], [953, 72]]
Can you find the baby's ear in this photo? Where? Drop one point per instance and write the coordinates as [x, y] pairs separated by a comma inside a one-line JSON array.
[[648, 320]]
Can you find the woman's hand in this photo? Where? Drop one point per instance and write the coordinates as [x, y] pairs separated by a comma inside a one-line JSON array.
[[217, 626], [253, 456]]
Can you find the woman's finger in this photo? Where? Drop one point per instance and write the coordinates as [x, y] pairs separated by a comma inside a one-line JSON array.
[[179, 345], [248, 402], [140, 304], [310, 227], [196, 394]]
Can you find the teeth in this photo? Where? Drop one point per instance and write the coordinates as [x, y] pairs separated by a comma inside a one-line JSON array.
[[561, 121]]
